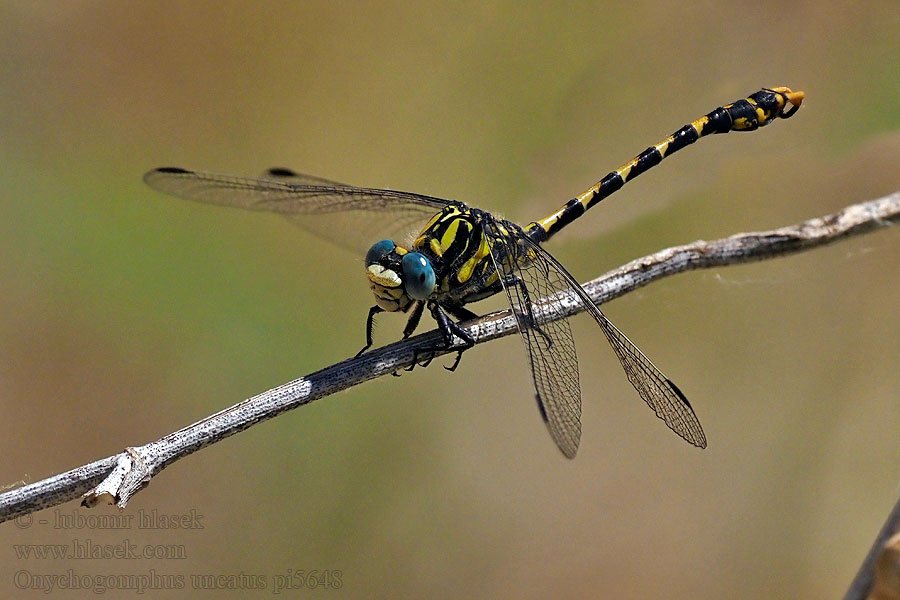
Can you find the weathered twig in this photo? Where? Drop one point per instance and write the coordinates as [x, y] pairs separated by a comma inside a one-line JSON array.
[[117, 478], [881, 565]]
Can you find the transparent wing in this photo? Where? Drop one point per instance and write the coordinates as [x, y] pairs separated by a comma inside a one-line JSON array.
[[349, 216], [550, 346], [558, 393], [293, 177], [658, 391]]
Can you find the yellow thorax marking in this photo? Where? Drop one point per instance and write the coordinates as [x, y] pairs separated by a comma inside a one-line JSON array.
[[449, 235], [465, 271]]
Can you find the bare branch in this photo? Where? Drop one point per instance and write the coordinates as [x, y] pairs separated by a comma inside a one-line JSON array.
[[879, 576], [120, 476]]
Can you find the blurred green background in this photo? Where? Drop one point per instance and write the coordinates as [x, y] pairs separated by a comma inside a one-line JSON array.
[[127, 314]]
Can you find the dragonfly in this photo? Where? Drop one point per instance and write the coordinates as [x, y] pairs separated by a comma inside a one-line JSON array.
[[464, 254]]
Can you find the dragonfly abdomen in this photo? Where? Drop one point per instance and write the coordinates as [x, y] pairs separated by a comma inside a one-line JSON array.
[[747, 114]]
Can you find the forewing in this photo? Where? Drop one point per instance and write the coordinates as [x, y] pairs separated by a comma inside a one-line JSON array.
[[549, 346], [657, 390], [349, 216], [293, 177]]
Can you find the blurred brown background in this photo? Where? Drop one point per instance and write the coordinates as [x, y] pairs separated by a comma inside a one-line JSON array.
[[127, 314]]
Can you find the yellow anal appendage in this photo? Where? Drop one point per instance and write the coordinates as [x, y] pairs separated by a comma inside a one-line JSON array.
[[795, 98]]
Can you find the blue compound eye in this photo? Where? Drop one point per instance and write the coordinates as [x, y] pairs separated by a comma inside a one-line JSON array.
[[418, 276], [378, 251]]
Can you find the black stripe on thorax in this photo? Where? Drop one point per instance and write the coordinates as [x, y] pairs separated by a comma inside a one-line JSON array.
[[465, 242]]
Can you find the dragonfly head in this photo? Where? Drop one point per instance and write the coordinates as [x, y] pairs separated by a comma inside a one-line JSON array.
[[397, 276]]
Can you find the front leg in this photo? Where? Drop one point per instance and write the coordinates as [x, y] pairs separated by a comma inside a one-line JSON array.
[[370, 324], [410, 328], [413, 321]]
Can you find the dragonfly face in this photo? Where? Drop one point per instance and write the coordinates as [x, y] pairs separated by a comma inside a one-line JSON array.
[[397, 276]]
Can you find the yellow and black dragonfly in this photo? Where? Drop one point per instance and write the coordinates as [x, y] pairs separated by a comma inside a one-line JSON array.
[[464, 254]]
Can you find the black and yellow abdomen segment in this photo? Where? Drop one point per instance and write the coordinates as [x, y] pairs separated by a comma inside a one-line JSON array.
[[748, 114]]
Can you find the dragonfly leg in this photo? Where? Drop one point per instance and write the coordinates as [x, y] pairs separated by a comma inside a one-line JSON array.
[[422, 364], [370, 324], [455, 364], [448, 329], [415, 362], [413, 321], [416, 354], [408, 331], [461, 313]]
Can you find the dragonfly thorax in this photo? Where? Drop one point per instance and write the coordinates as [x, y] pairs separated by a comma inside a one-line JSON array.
[[457, 244], [397, 276]]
